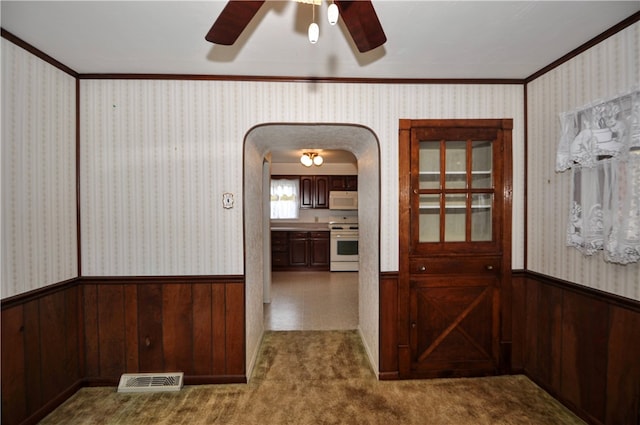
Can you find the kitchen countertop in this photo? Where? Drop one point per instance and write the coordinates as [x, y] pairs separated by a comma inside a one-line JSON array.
[[300, 227]]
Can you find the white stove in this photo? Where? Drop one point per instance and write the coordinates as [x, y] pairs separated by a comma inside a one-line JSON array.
[[344, 243]]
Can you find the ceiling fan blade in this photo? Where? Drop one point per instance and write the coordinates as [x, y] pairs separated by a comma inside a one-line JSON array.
[[233, 19], [362, 22]]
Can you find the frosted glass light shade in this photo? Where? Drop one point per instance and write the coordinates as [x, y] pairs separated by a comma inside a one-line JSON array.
[[332, 14], [317, 160], [306, 160], [314, 33]]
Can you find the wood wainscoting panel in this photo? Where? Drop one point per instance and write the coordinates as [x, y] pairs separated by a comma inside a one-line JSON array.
[[234, 329], [177, 327], [150, 315], [389, 326], [543, 335], [584, 346], [41, 352], [193, 325], [623, 367], [202, 320], [89, 331], [111, 326], [579, 344], [14, 388]]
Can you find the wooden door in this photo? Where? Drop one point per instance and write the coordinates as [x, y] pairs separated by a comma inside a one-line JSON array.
[[454, 318], [454, 246]]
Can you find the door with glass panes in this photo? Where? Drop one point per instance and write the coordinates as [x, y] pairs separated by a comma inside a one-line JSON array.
[[453, 259]]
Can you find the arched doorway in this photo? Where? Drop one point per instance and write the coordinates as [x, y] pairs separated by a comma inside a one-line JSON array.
[[363, 143]]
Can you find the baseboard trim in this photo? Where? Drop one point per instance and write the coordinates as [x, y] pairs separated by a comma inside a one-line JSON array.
[[53, 404]]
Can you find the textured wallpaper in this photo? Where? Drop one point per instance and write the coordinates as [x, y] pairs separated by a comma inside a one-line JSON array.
[[39, 238], [606, 70], [157, 156]]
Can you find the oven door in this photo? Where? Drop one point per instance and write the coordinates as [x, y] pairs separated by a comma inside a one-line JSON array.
[[344, 246]]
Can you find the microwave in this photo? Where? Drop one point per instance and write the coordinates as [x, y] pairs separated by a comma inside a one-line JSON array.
[[343, 200]]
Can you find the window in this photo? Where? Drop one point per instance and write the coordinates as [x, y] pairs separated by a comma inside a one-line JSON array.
[[600, 143], [284, 198]]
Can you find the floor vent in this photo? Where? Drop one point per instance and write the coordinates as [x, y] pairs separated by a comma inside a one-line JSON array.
[[150, 382]]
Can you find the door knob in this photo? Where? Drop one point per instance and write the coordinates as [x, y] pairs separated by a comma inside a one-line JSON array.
[[423, 268], [413, 325], [489, 267]]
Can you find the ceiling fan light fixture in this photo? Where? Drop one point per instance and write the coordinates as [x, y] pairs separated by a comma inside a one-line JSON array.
[[332, 14], [314, 33]]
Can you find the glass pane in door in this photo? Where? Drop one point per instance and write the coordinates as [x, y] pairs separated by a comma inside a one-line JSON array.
[[481, 208], [429, 218], [455, 218], [456, 165], [429, 168], [481, 160]]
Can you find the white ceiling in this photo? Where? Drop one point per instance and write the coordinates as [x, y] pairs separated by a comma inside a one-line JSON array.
[[426, 39]]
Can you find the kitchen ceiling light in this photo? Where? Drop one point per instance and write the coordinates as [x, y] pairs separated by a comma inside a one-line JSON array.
[[311, 158]]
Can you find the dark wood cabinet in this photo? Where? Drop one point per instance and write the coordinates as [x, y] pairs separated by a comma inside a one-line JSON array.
[[319, 249], [314, 191], [293, 250], [343, 182], [298, 249], [455, 246], [279, 249]]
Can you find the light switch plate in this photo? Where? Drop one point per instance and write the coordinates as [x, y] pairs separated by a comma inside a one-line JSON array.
[[227, 200]]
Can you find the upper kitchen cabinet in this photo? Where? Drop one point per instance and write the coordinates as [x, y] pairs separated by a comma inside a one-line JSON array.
[[455, 247], [343, 183], [314, 191]]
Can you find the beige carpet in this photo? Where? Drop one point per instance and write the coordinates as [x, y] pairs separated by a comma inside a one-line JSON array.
[[318, 377]]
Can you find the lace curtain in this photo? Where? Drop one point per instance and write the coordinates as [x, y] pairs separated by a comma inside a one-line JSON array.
[[284, 198], [600, 144]]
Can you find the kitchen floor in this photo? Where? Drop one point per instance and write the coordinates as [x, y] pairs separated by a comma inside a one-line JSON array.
[[312, 301]]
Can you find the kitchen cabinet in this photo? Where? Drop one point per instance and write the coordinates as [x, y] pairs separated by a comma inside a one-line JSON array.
[[343, 183], [314, 191], [455, 246], [300, 250], [279, 250]]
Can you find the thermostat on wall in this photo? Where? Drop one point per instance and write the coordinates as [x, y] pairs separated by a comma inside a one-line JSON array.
[[227, 200]]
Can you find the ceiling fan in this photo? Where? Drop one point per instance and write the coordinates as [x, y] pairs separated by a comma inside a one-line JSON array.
[[358, 15]]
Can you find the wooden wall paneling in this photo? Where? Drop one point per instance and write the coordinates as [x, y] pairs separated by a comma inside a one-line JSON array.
[[151, 356], [518, 325], [234, 335], [72, 329], [219, 329], [389, 327], [551, 313], [52, 345], [91, 340], [543, 334], [177, 327], [623, 367], [584, 353], [32, 350], [202, 330], [131, 337], [111, 325], [14, 404]]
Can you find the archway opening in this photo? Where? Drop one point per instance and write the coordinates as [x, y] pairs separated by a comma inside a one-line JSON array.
[[363, 143]]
